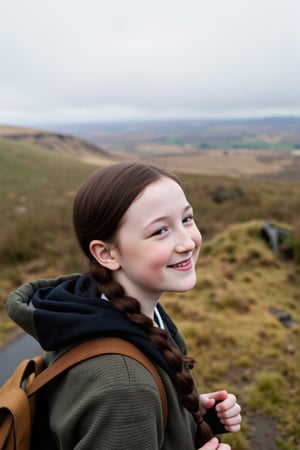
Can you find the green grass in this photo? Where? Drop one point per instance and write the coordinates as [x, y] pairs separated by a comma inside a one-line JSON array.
[[237, 343]]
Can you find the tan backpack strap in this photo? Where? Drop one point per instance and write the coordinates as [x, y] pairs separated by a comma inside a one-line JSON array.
[[15, 410], [94, 347]]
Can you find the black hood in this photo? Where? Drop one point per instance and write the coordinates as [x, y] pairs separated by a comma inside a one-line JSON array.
[[73, 311]]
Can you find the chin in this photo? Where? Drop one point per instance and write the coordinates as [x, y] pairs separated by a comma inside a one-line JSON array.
[[187, 287]]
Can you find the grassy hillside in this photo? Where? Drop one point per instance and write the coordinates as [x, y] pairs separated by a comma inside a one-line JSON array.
[[220, 201], [235, 339], [32, 177], [238, 344], [37, 189]]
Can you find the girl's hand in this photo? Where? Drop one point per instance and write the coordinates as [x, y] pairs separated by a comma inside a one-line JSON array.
[[227, 409], [214, 444]]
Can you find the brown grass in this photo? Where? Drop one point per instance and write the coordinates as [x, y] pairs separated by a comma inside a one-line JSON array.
[[237, 342]]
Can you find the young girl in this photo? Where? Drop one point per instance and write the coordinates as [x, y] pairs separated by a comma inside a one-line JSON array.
[[136, 228]]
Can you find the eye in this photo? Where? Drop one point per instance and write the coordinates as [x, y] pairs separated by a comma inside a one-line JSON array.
[[188, 219], [160, 232]]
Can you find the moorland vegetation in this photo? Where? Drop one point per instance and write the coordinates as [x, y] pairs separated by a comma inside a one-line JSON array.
[[236, 340]]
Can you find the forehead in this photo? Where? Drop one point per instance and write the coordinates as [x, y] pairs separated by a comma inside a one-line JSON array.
[[158, 198]]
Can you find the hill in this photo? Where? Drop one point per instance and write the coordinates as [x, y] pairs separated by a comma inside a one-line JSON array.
[[37, 190], [56, 142], [33, 178]]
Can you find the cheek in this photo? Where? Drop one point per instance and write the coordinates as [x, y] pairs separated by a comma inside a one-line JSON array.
[[153, 264], [146, 258], [159, 258]]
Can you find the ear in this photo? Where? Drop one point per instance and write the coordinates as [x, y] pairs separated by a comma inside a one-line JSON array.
[[103, 253]]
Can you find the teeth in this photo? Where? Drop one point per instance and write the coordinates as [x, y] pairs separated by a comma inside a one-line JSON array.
[[182, 264]]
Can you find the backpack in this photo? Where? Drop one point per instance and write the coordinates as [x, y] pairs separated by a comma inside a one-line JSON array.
[[18, 399]]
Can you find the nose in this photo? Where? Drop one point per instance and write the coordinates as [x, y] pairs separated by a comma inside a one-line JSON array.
[[185, 242]]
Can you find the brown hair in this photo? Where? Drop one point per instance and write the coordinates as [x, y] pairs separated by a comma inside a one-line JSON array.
[[99, 207]]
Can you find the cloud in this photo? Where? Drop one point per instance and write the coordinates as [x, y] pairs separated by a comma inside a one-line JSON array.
[[116, 58]]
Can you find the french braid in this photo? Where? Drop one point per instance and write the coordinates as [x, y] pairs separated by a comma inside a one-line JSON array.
[[183, 380]]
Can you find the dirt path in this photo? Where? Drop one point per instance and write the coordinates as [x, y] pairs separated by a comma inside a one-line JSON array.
[[264, 434]]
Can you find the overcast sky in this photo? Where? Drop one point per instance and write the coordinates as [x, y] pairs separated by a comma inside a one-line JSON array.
[[87, 60]]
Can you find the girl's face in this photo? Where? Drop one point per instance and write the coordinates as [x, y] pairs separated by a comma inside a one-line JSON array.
[[158, 243]]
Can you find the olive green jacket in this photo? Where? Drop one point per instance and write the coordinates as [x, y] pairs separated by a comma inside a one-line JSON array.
[[109, 402]]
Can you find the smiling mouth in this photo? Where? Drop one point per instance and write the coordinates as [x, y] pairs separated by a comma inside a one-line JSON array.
[[182, 265]]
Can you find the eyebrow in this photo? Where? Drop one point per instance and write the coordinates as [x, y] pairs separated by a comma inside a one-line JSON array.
[[162, 218]]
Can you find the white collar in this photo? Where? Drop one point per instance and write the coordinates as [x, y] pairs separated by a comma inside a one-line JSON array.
[[158, 318]]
